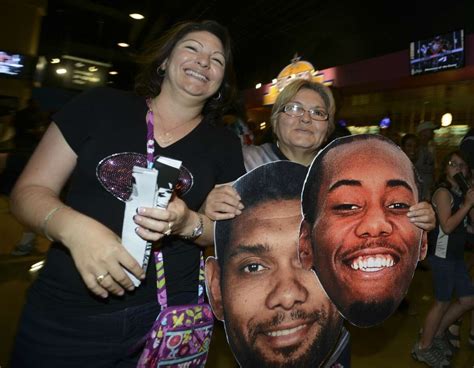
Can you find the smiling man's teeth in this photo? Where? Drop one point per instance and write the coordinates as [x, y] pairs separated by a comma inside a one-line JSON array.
[[285, 332], [196, 74], [372, 263]]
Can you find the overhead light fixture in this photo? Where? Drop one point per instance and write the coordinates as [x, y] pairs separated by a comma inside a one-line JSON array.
[[36, 266], [113, 72], [55, 61], [446, 119], [136, 16], [61, 71], [258, 85], [274, 81], [123, 44]]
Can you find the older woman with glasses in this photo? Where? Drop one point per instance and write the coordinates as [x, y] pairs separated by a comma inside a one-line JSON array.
[[302, 119]]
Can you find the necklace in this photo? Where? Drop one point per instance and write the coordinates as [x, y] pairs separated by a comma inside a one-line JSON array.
[[167, 137]]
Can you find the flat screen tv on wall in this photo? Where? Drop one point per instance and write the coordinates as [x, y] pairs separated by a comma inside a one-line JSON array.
[[15, 65], [438, 53]]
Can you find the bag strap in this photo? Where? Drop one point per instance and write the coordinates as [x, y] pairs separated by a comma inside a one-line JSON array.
[[161, 294]]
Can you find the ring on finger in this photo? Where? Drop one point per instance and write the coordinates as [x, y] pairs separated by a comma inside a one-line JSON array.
[[168, 232], [101, 277]]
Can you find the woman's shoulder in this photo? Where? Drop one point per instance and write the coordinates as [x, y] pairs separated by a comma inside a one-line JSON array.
[[113, 94], [255, 156], [223, 133], [442, 195], [102, 96]]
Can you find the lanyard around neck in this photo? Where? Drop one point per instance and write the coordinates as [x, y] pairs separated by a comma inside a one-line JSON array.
[[150, 137]]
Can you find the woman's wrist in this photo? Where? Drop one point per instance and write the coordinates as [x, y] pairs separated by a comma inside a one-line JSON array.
[[48, 218], [194, 227]]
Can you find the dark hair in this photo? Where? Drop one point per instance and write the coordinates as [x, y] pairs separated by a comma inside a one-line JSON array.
[[442, 179], [280, 180], [148, 81], [406, 138], [317, 171]]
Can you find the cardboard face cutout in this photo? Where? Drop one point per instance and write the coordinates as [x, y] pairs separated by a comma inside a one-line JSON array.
[[275, 312], [363, 247]]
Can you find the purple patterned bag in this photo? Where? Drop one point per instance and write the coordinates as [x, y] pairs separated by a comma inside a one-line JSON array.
[[181, 334]]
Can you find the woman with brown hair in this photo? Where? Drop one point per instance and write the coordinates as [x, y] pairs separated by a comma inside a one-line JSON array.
[[84, 310]]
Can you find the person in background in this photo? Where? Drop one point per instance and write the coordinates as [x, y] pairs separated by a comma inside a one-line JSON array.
[[83, 310], [27, 122], [446, 257], [29, 127], [302, 118], [453, 332], [409, 145], [426, 157]]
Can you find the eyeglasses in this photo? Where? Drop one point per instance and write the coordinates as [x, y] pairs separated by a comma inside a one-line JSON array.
[[461, 166], [296, 110]]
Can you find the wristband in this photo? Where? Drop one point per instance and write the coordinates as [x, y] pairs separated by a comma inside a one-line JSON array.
[[197, 231], [44, 225]]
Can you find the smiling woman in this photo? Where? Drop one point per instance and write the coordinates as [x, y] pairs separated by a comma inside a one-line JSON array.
[[175, 111]]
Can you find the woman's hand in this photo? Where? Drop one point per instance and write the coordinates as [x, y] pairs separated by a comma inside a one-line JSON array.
[[155, 223], [469, 198], [423, 216], [177, 219], [100, 257], [222, 203]]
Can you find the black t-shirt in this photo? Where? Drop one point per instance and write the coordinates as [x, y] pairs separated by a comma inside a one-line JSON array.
[[102, 122]]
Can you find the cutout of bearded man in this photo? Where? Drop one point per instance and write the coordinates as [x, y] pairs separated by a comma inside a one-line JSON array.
[[275, 313], [355, 232]]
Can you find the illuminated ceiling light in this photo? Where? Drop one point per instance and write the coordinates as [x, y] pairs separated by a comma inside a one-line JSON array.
[[78, 65], [55, 61], [136, 16], [61, 71], [446, 119], [274, 81], [263, 125], [123, 44], [93, 69], [36, 267], [113, 72], [258, 85]]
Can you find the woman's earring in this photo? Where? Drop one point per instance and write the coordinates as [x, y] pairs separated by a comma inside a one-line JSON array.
[[160, 71], [218, 97]]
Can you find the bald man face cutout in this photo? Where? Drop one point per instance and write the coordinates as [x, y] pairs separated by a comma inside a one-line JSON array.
[[356, 232]]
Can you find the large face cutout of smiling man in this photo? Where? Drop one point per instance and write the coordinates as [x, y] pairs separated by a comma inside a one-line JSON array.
[[275, 313], [356, 232]]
